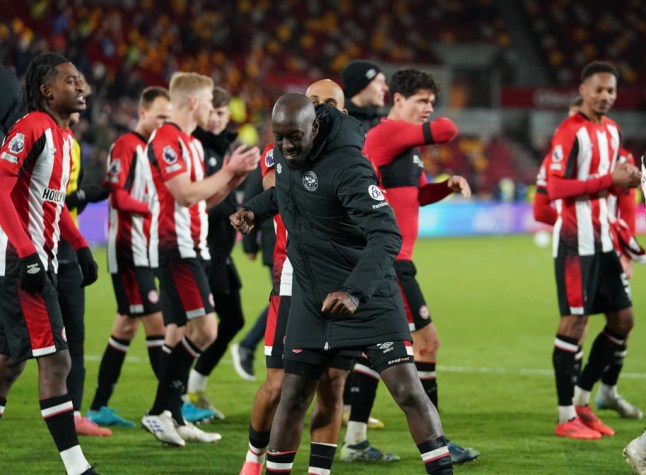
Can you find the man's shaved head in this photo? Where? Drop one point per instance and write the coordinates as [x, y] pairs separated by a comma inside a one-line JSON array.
[[326, 91], [293, 107], [294, 126]]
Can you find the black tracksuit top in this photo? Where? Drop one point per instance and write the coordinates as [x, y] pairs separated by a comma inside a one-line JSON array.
[[342, 235]]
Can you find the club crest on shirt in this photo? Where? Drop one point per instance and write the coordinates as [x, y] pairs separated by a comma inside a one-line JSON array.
[[423, 312], [279, 169], [310, 181], [169, 155], [269, 159], [17, 143], [213, 161], [375, 193]]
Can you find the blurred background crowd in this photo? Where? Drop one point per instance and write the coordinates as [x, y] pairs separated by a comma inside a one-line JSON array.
[[508, 69]]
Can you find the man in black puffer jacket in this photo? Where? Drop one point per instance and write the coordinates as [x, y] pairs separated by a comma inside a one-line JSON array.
[[342, 240]]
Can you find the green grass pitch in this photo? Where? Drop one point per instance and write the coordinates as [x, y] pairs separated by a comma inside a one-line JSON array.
[[494, 303]]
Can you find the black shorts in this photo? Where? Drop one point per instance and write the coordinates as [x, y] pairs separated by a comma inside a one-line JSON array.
[[136, 291], [591, 284], [32, 324], [185, 292], [310, 362], [416, 310]]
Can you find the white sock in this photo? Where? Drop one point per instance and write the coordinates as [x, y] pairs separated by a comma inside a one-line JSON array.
[[581, 397], [196, 382], [255, 454], [642, 439], [566, 413], [608, 392], [357, 432], [318, 471], [74, 460]]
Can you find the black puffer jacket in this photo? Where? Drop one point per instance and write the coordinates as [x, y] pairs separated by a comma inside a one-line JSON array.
[[221, 238], [369, 116], [13, 104], [342, 235]]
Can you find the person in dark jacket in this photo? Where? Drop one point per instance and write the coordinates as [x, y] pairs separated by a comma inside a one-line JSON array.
[[224, 280], [365, 90], [12, 101], [261, 239], [343, 238]]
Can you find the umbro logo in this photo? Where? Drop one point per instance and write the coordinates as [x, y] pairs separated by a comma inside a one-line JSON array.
[[386, 347], [33, 269]]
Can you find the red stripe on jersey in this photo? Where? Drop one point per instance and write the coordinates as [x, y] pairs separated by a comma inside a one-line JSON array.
[[272, 320], [37, 320], [574, 284], [390, 142], [38, 152], [267, 166], [128, 233], [181, 231], [582, 150]]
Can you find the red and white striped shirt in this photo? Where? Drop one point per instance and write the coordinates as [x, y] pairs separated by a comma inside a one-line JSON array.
[[128, 233], [583, 150], [181, 230], [282, 271], [38, 153]]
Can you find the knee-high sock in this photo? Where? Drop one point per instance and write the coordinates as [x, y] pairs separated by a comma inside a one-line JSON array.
[[58, 413], [436, 457], [563, 356], [611, 374], [603, 350], [280, 462], [426, 372], [258, 442], [321, 458], [154, 343], [109, 371], [172, 382]]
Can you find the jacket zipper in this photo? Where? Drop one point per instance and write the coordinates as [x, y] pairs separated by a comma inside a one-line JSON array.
[[326, 345]]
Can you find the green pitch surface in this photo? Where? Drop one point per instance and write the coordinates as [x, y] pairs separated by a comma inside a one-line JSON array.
[[493, 301]]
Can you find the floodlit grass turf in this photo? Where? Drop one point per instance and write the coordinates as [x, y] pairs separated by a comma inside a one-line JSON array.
[[493, 300]]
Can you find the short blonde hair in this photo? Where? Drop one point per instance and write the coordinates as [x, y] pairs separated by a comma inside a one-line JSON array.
[[184, 85]]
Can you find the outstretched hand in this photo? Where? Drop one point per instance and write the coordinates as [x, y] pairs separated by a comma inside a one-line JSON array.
[[242, 161], [457, 182], [242, 220]]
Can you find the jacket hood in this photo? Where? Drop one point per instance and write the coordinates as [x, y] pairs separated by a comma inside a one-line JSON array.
[[336, 130]]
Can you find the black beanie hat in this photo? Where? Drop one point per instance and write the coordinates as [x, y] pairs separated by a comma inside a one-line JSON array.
[[357, 75]]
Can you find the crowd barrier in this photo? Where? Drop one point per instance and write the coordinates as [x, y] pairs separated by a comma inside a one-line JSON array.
[[448, 218]]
